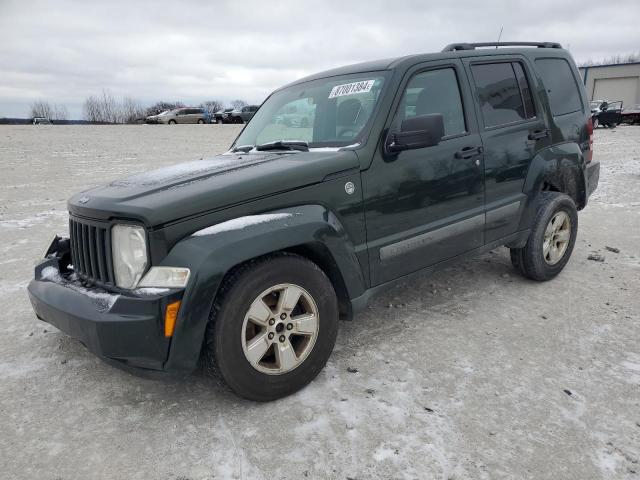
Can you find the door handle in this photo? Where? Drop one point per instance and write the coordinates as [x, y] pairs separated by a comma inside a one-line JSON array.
[[538, 134], [468, 152]]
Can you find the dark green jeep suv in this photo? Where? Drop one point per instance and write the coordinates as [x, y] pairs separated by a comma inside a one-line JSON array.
[[247, 260]]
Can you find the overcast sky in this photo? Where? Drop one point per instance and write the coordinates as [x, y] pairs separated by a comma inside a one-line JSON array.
[[192, 51]]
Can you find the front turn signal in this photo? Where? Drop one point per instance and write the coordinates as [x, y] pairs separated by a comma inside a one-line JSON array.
[[170, 316]]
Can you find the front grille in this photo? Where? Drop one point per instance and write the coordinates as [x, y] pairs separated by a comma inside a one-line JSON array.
[[91, 252]]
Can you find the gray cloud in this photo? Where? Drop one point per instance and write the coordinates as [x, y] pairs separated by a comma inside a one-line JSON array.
[[194, 50]]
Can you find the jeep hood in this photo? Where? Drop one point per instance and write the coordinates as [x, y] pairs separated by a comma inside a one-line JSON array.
[[172, 193]]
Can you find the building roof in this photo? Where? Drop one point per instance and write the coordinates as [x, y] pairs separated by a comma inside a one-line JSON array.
[[609, 65]]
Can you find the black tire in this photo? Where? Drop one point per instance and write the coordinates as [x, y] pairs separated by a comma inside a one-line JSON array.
[[172, 122], [223, 349], [219, 121], [238, 120], [529, 260], [200, 121], [596, 122]]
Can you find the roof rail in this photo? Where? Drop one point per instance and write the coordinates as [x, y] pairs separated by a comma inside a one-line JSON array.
[[471, 46]]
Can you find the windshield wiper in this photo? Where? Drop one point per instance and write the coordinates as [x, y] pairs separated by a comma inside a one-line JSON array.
[[243, 148], [284, 145]]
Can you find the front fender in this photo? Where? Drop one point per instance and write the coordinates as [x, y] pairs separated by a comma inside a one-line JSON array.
[[211, 253]]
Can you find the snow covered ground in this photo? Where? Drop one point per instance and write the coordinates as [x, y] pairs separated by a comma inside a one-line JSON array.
[[473, 372]]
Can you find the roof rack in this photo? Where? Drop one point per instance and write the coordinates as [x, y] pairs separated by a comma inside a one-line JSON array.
[[472, 46]]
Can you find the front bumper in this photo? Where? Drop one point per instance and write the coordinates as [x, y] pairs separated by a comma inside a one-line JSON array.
[[125, 329]]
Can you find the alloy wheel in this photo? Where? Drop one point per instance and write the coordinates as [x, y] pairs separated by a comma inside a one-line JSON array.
[[280, 329], [556, 238]]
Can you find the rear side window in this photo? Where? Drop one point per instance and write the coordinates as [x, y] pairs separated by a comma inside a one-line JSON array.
[[435, 91], [503, 93], [560, 84]]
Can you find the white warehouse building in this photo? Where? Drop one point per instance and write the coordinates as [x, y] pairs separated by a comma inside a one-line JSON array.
[[613, 82]]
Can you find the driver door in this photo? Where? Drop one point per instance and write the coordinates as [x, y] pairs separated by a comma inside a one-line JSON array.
[[426, 205]]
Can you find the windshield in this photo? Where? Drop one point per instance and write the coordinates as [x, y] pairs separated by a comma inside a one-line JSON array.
[[328, 112]]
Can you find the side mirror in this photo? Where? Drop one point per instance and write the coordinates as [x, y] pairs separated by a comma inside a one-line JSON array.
[[417, 132]]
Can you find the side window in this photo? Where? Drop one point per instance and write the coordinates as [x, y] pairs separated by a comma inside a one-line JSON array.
[[435, 91], [561, 86], [499, 94]]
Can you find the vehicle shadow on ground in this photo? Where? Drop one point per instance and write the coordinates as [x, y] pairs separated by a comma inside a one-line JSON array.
[[425, 292]]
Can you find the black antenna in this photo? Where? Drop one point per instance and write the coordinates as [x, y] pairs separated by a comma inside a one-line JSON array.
[[500, 35]]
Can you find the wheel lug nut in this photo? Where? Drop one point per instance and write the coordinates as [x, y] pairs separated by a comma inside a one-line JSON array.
[[272, 321], [289, 326], [283, 316], [271, 335], [282, 338]]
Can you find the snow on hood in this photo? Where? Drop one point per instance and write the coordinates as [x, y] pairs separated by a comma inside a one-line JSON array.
[[191, 170]]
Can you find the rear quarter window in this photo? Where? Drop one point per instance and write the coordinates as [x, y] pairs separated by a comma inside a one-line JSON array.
[[560, 85]]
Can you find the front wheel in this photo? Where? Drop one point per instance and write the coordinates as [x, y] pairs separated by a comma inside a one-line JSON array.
[[200, 121], [552, 238], [272, 327], [172, 122], [596, 122]]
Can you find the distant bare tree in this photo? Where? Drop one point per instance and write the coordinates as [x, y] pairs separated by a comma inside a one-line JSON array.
[[238, 103], [614, 59], [110, 113], [105, 108], [60, 112], [161, 106], [132, 110], [41, 108], [212, 106], [91, 108]]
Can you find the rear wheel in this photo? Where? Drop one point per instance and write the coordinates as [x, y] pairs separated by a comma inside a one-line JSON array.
[[596, 122], [172, 122], [552, 238], [273, 327], [219, 121], [200, 121]]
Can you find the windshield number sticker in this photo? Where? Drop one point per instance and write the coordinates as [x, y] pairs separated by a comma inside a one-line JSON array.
[[351, 88]]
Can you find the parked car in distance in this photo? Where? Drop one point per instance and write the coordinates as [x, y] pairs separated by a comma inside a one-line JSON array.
[[181, 115], [631, 114], [222, 116], [606, 113], [248, 260], [153, 119], [243, 114], [41, 121]]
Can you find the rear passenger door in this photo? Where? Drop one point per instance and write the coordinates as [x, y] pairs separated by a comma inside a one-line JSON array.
[[513, 131]]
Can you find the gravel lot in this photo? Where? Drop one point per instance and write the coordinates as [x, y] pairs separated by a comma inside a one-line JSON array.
[[473, 372]]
